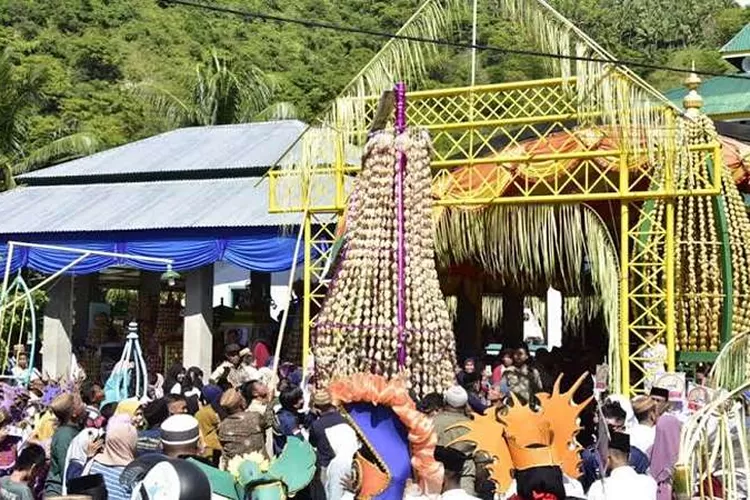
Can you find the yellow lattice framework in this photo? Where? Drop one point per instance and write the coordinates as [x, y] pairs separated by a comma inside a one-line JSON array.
[[464, 122], [595, 134]]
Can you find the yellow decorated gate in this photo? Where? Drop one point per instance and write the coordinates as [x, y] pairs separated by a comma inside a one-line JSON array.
[[595, 134]]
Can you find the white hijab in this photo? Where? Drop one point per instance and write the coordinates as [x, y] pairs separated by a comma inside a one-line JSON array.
[[77, 452]]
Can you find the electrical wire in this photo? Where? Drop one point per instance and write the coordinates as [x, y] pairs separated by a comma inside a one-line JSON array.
[[445, 43]]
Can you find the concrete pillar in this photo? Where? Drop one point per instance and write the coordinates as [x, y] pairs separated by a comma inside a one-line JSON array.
[[197, 337], [57, 328]]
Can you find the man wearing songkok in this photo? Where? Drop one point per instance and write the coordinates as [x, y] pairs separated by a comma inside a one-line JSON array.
[[446, 423], [661, 397], [453, 462], [623, 483], [643, 433], [180, 436]]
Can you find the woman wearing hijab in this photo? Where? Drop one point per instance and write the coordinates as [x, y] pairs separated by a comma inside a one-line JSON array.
[[86, 444], [664, 454], [133, 409], [209, 417], [175, 378], [119, 451], [155, 386], [193, 383]]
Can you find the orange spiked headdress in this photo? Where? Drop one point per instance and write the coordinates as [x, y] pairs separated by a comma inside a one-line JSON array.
[[523, 438]]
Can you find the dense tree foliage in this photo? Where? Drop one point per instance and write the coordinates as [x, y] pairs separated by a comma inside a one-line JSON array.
[[20, 96], [94, 52]]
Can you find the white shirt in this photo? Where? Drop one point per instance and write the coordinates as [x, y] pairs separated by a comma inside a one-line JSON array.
[[20, 373], [251, 373], [642, 437], [624, 484], [457, 494]]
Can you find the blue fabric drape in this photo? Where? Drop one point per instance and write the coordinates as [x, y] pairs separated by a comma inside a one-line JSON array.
[[187, 253], [261, 253], [265, 251]]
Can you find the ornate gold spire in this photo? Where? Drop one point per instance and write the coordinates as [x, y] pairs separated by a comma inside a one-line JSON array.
[[692, 101]]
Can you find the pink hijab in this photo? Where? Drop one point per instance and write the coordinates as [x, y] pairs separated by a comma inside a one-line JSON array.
[[664, 454], [120, 443]]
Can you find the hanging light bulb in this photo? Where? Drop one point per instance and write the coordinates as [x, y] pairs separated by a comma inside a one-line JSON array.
[[170, 276]]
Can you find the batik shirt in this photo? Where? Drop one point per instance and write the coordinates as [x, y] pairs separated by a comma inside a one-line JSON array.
[[523, 382]]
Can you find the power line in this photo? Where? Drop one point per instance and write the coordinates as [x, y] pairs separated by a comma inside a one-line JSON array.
[[444, 43]]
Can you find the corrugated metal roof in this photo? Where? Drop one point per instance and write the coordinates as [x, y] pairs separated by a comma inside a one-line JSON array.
[[739, 43], [224, 147], [721, 95], [214, 203]]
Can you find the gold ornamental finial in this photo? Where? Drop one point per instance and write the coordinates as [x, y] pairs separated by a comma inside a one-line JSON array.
[[692, 100]]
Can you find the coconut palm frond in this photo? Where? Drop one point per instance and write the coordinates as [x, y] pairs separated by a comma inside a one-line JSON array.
[[277, 111], [714, 439], [624, 100], [452, 302], [162, 102], [64, 148], [730, 370], [217, 94], [257, 92], [604, 259], [398, 60]]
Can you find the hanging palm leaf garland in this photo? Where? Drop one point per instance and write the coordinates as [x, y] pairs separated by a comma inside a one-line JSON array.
[[357, 326], [530, 248]]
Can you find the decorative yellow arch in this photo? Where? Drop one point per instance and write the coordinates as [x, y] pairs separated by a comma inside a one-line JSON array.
[[595, 133]]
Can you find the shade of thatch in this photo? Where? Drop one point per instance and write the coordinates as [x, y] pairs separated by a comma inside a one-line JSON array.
[[529, 248]]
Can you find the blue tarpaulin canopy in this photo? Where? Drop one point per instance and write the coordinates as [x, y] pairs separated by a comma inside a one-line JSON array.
[[194, 195], [263, 250]]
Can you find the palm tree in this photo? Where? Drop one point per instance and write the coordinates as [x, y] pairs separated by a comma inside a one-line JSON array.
[[20, 96], [218, 96]]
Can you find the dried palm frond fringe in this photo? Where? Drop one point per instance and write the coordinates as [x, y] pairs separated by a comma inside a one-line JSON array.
[[530, 248], [575, 311]]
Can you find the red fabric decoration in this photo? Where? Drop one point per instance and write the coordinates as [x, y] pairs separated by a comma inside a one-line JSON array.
[[544, 496]]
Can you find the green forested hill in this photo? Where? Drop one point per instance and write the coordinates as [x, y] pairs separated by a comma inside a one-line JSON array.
[[92, 49]]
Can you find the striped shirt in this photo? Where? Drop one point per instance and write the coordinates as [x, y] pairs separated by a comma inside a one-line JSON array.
[[111, 474]]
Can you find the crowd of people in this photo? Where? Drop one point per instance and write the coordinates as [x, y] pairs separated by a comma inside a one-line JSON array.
[[55, 440], [630, 447]]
